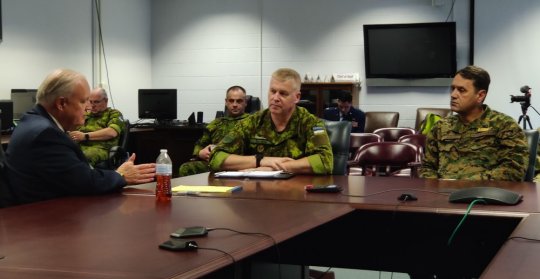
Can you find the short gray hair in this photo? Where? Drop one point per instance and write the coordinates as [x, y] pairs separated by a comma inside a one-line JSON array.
[[59, 83]]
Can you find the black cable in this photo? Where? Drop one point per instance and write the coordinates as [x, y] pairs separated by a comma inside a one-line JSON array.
[[102, 46], [394, 190], [524, 238], [256, 233], [214, 249], [451, 10]]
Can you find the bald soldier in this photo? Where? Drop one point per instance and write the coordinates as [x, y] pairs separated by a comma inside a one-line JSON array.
[[478, 143], [101, 130], [281, 137]]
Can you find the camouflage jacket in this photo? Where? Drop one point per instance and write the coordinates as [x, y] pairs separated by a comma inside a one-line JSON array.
[[304, 136], [215, 131], [108, 118], [493, 147]]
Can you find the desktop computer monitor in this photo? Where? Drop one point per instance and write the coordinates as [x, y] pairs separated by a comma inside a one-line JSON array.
[[6, 115], [159, 104], [23, 101]]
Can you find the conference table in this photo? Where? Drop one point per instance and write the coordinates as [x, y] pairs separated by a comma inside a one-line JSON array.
[[383, 233], [364, 226]]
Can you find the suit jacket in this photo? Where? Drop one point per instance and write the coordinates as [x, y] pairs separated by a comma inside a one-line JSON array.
[[42, 163], [356, 115]]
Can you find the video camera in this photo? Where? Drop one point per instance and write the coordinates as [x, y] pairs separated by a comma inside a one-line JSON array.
[[525, 99]]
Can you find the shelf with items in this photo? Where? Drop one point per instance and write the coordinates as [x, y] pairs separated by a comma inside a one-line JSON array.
[[316, 96]]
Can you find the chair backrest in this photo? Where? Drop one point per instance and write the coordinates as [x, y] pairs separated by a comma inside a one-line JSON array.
[[532, 140], [416, 139], [253, 104], [382, 158], [380, 119], [422, 112], [359, 139], [339, 133], [393, 134], [124, 136]]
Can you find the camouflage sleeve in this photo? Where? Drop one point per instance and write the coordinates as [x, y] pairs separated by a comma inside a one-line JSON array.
[[116, 121], [204, 141], [512, 154], [232, 143], [430, 163], [318, 148]]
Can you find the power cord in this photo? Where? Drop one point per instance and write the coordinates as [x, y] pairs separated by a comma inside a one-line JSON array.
[[102, 46], [255, 233], [394, 190], [463, 219]]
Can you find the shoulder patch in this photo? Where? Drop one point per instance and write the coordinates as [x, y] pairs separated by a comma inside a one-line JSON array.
[[318, 130]]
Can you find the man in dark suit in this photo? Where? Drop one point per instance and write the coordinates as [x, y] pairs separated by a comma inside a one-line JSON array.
[[346, 112], [43, 162]]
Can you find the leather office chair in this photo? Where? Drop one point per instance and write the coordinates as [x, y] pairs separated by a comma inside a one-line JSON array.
[[339, 133], [416, 139], [421, 114], [384, 158], [393, 134], [380, 119], [532, 140], [357, 141], [117, 154]]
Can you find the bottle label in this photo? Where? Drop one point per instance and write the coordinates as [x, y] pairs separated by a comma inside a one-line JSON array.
[[164, 169]]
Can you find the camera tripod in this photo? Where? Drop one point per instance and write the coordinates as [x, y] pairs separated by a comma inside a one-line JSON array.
[[526, 119]]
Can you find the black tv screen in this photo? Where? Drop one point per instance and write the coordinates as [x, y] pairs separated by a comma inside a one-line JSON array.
[[157, 104], [418, 50]]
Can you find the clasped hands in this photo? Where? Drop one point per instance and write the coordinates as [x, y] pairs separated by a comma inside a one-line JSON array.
[[272, 164]]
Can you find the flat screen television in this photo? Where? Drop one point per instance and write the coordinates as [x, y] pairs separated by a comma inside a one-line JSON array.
[[410, 51], [23, 101], [159, 104]]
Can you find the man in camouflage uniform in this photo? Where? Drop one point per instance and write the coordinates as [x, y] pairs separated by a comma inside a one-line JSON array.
[[282, 137], [235, 102], [101, 129], [478, 143]]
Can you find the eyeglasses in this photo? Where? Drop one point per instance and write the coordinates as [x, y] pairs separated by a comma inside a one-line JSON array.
[[96, 101], [238, 101]]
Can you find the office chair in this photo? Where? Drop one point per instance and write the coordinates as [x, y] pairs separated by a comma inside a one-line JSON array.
[[357, 141], [417, 139], [117, 154], [253, 105], [380, 119], [385, 158], [339, 133], [421, 114], [532, 141], [394, 133]]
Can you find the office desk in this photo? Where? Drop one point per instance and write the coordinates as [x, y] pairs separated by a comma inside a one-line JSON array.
[[411, 237], [117, 236], [178, 140], [5, 140]]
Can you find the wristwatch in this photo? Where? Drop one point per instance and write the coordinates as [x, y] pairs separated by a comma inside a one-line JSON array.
[[86, 137], [258, 158]]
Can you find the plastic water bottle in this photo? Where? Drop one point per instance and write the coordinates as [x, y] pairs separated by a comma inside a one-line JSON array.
[[163, 176]]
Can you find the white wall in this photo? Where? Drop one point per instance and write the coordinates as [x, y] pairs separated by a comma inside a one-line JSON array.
[[40, 36], [203, 47], [127, 42], [506, 44]]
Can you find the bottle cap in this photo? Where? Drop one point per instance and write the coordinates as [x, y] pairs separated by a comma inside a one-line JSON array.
[[163, 150]]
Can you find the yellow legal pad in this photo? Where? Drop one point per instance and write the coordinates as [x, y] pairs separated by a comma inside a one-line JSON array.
[[205, 189]]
